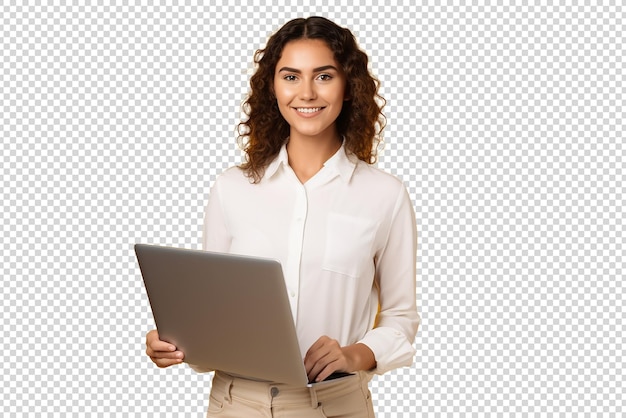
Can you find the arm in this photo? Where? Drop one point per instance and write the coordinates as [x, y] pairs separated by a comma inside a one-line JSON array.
[[397, 322], [390, 344]]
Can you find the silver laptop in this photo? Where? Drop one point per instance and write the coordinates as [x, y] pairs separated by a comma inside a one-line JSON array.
[[225, 312]]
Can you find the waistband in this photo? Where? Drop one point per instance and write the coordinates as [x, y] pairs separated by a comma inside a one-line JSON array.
[[279, 394]]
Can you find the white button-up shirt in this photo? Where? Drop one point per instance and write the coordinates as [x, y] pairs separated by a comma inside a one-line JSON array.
[[346, 240]]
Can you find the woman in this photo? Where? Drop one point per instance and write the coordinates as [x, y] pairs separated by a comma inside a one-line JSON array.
[[344, 231]]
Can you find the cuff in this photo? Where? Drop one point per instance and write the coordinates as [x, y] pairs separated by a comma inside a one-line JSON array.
[[390, 347]]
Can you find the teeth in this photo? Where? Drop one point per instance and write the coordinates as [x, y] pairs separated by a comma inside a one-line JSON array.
[[308, 109]]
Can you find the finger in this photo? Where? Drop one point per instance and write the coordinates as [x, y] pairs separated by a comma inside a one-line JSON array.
[[166, 362], [319, 366], [313, 361], [162, 352], [322, 348], [154, 343], [165, 354], [321, 342], [312, 357], [176, 356], [158, 345], [324, 368], [327, 371], [317, 351]]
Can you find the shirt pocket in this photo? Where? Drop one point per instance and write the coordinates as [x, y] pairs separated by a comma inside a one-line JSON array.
[[349, 243]]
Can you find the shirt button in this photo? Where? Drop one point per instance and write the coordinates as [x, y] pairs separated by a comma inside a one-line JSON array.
[[274, 391], [292, 294]]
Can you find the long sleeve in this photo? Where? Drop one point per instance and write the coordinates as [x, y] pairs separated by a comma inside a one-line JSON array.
[[215, 232], [397, 322]]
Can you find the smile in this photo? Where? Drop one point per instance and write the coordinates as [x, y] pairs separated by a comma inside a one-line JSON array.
[[308, 109]]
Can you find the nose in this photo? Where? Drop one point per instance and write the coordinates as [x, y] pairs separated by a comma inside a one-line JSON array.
[[307, 90]]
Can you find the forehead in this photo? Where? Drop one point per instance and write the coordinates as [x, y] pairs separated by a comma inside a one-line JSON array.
[[306, 54]]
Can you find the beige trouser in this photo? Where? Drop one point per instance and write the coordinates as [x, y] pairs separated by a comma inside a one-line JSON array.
[[233, 397]]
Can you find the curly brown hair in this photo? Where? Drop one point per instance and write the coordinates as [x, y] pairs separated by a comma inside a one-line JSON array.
[[360, 122]]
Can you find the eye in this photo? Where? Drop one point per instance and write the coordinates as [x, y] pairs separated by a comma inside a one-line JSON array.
[[290, 77], [325, 77]]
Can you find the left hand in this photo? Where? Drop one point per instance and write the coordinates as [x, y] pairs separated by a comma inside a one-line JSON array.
[[326, 356]]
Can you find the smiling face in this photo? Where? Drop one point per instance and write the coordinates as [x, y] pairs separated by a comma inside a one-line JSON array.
[[310, 89]]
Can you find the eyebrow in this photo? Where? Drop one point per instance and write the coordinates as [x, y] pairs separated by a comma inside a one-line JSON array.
[[315, 70]]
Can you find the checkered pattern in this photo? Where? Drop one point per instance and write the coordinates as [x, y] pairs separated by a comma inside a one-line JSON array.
[[505, 122]]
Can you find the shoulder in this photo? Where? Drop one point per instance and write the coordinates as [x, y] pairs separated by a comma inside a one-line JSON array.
[[232, 176], [233, 172], [377, 179]]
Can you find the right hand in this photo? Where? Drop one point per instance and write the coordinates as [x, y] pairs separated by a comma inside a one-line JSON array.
[[162, 353]]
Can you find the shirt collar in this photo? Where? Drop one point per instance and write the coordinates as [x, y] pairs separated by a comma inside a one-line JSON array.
[[342, 163], [280, 160]]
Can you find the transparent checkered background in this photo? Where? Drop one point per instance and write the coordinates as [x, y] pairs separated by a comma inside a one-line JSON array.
[[505, 122]]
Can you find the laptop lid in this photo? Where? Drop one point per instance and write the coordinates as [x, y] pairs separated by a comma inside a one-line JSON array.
[[225, 312]]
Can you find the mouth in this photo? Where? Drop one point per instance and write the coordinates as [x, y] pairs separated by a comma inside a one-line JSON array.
[[308, 110]]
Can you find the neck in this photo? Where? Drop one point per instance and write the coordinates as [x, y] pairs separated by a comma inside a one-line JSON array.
[[308, 155]]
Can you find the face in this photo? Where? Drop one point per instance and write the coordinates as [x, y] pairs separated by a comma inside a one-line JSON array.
[[310, 89]]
